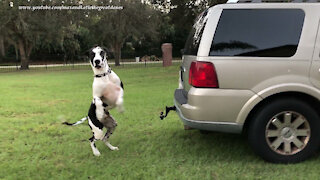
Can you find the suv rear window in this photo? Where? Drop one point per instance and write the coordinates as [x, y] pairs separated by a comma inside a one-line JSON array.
[[194, 38], [258, 32]]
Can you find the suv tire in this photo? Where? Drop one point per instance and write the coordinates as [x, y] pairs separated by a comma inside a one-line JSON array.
[[285, 131]]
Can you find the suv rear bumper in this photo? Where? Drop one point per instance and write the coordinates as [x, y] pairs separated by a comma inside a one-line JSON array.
[[211, 110]]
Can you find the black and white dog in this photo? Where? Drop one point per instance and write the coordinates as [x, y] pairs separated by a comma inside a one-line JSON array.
[[98, 118], [106, 84], [107, 91]]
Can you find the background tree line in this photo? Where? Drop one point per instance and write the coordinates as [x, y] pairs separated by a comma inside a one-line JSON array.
[[65, 35]]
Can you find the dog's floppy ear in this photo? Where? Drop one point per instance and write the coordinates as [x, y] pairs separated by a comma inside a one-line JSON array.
[[90, 55], [106, 50], [87, 52]]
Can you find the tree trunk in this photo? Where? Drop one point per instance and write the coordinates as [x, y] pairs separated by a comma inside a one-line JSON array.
[[16, 49], [117, 54], [2, 50], [23, 56]]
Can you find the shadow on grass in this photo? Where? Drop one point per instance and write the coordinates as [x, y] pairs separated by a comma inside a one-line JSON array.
[[210, 147]]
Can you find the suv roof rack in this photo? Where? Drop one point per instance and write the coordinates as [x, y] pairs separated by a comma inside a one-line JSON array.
[[273, 1]]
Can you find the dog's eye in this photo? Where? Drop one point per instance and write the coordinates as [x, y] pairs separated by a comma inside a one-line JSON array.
[[102, 54]]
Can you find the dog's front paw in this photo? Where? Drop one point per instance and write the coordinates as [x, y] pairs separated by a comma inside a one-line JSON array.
[[120, 109]]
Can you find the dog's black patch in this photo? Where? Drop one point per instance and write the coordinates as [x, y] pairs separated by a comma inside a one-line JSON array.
[[93, 117], [107, 52], [91, 139], [104, 104], [91, 56], [121, 84], [102, 53]]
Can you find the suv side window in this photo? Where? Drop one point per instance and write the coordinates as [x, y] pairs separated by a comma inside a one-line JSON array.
[[194, 38], [258, 32]]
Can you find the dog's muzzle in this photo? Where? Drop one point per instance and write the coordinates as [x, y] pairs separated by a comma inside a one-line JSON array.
[[97, 64]]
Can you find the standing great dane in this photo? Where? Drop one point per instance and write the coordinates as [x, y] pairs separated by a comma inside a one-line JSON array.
[[107, 91], [106, 84]]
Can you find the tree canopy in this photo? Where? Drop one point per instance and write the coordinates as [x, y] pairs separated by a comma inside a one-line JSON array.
[[138, 28]]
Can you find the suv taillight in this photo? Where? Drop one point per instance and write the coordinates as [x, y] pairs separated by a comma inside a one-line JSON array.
[[203, 74]]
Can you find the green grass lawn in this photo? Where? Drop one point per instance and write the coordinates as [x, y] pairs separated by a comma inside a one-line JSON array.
[[35, 145]]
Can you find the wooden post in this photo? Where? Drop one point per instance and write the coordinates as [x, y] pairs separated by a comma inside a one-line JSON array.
[[166, 54]]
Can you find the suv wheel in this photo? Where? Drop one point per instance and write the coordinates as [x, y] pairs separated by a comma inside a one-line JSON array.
[[285, 131]]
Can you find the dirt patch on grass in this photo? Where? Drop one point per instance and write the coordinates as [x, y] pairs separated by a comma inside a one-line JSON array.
[[11, 114], [57, 101]]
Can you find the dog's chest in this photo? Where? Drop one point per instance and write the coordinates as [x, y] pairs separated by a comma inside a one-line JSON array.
[[99, 85]]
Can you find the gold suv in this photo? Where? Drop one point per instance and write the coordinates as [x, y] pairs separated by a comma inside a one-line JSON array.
[[255, 68]]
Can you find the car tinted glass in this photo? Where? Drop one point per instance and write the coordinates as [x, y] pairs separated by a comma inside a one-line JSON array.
[[194, 38], [258, 32]]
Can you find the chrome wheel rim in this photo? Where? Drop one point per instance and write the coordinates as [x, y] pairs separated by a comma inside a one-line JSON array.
[[288, 133]]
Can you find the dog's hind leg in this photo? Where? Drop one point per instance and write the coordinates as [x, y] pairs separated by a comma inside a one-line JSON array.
[[93, 146], [106, 139], [97, 134], [113, 148]]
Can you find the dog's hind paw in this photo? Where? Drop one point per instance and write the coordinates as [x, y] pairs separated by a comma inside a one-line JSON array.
[[115, 149], [112, 148], [96, 153]]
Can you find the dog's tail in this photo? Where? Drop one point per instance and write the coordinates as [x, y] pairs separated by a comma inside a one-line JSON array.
[[76, 123]]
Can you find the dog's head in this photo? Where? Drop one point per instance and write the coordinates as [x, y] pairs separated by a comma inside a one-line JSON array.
[[98, 58]]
